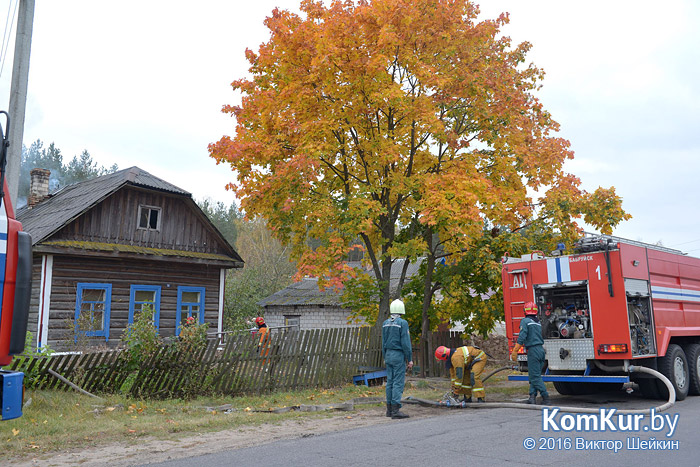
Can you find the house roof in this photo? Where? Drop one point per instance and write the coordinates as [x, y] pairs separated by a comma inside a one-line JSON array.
[[71, 202], [52, 214], [306, 291]]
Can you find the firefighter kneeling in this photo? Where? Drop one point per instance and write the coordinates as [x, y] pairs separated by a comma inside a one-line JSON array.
[[470, 360]]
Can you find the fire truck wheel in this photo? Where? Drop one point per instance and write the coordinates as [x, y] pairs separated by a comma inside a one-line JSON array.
[[582, 389], [566, 388], [692, 352], [674, 366], [563, 388], [611, 387], [648, 388]]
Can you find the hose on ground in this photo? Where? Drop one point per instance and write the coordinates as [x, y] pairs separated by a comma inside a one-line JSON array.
[[347, 406], [515, 405], [511, 367], [664, 379], [643, 369]]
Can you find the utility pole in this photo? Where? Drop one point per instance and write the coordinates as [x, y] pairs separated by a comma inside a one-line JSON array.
[[18, 94]]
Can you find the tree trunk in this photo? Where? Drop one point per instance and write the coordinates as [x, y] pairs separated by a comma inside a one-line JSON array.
[[427, 299], [384, 294]]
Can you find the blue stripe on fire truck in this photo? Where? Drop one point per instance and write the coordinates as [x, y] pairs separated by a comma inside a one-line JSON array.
[[558, 270], [672, 293], [3, 246], [3, 260]]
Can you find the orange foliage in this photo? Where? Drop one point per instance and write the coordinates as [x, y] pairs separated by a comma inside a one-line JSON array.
[[363, 117]]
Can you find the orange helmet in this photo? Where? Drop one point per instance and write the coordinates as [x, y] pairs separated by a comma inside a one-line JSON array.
[[442, 352], [530, 308], [259, 321]]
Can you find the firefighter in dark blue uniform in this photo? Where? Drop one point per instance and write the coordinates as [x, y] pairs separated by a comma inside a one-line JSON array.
[[530, 337], [396, 348]]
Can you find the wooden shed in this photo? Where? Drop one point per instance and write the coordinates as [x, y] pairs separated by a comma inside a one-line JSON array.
[[107, 247], [303, 304]]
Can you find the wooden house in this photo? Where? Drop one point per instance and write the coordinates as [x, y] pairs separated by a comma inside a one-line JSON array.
[[106, 247]]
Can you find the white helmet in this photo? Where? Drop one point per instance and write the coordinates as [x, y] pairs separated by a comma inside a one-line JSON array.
[[397, 308]]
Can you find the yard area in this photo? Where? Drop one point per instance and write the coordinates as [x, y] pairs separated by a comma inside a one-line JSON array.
[[63, 428]]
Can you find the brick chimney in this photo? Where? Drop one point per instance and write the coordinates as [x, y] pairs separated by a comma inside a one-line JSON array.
[[38, 186]]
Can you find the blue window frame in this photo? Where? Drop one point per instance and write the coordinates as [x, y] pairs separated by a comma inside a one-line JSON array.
[[141, 295], [190, 302], [92, 306]]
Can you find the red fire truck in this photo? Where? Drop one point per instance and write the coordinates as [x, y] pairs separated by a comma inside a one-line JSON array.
[[610, 304], [15, 289]]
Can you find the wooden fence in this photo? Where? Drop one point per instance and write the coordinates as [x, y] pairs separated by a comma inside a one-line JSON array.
[[293, 360], [424, 357], [97, 372]]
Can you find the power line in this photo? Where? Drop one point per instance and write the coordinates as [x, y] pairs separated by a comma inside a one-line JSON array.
[[685, 243], [7, 33], [4, 33]]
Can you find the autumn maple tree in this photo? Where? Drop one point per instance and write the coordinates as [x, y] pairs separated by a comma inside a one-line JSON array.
[[410, 125]]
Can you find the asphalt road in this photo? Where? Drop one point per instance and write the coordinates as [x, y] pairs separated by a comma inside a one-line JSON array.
[[495, 437]]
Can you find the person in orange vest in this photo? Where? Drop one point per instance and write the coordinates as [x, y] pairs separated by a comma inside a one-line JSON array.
[[264, 340], [470, 360]]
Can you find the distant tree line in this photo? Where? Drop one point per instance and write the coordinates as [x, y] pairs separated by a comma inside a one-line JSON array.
[[267, 270], [78, 169], [223, 217]]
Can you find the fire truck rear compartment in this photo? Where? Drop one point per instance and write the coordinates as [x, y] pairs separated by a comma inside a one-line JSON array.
[[564, 311]]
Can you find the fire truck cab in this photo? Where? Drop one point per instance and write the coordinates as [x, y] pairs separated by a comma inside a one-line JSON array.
[[611, 303]]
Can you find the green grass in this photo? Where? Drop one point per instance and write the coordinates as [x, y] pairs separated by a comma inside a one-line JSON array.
[[63, 420]]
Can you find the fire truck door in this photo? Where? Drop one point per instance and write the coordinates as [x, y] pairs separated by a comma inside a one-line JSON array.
[[520, 290]]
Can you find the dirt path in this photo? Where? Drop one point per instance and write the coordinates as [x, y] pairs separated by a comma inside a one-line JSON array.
[[155, 450]]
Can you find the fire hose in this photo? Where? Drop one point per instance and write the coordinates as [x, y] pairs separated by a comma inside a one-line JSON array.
[[350, 405], [515, 405]]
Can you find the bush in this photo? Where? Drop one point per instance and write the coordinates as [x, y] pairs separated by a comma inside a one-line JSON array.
[[141, 337], [77, 339], [30, 351], [193, 336]]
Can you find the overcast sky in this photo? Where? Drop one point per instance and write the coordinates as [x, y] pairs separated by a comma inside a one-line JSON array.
[[142, 83]]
